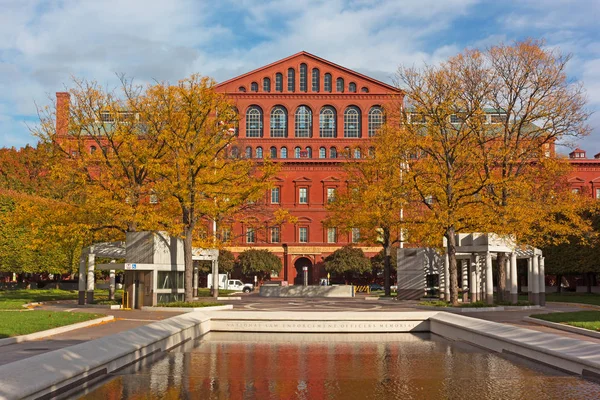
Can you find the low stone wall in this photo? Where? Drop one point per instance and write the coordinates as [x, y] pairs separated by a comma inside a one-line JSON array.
[[307, 291], [312, 322]]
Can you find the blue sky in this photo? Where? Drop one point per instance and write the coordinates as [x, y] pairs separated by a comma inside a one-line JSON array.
[[44, 43]]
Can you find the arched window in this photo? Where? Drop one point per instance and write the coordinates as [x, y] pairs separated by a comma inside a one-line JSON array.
[[371, 151], [278, 122], [339, 85], [248, 152], [93, 149], [364, 89], [254, 87], [375, 120], [352, 122], [279, 82], [303, 122], [357, 152], [297, 152], [234, 152], [322, 152], [332, 152], [241, 89], [352, 87], [266, 85], [273, 152], [309, 152], [303, 73], [327, 122], [259, 152], [347, 153], [316, 78], [291, 79], [283, 152], [327, 83], [254, 125]]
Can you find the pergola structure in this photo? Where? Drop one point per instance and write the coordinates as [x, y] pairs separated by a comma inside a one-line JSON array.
[[474, 253], [153, 268]]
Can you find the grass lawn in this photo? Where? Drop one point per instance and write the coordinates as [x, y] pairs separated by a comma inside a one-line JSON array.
[[571, 297], [205, 292], [14, 299], [581, 319], [191, 304], [14, 323]]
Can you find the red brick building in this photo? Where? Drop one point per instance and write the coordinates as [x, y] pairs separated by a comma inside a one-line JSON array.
[[308, 114]]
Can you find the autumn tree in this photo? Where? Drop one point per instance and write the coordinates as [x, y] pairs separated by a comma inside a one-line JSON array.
[[195, 124], [258, 262], [375, 197], [347, 261]]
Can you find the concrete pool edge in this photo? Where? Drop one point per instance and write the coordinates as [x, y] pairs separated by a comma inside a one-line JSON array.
[[72, 368]]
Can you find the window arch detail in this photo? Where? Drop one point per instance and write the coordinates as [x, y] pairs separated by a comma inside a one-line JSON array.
[[266, 85], [259, 152], [291, 79], [327, 83], [352, 87], [254, 87], [283, 152], [278, 122], [352, 122], [339, 85], [279, 82], [316, 80], [376, 119], [254, 122], [297, 151], [303, 122], [327, 122], [322, 152], [332, 152], [303, 77], [273, 152]]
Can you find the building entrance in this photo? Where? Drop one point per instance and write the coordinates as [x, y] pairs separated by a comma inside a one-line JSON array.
[[299, 264]]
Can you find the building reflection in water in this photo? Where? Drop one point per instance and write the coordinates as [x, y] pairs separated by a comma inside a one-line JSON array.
[[334, 366]]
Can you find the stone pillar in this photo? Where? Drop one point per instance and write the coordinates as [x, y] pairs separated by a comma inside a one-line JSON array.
[[195, 281], [82, 280], [447, 277], [507, 275], [465, 280], [542, 282], [111, 285], [489, 282], [215, 277], [514, 279], [535, 278], [473, 272], [529, 280], [480, 281], [90, 277]]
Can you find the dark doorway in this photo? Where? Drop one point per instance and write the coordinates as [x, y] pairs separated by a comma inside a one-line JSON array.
[[299, 264]]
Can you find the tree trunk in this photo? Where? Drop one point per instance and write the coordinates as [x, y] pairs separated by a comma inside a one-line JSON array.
[[386, 261], [559, 283], [502, 276], [451, 238], [187, 254], [588, 278]]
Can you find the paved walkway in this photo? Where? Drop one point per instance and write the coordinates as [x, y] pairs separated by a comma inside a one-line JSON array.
[[125, 320]]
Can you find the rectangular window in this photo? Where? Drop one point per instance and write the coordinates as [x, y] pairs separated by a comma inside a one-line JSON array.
[[225, 235], [275, 235], [303, 235], [330, 195], [355, 235], [303, 195], [498, 118], [455, 119], [170, 280], [598, 193], [250, 235], [331, 235], [275, 195]]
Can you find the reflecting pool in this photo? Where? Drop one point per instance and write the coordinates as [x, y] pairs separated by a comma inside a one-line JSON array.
[[338, 366]]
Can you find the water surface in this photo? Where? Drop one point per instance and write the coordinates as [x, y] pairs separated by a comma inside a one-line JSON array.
[[339, 366]]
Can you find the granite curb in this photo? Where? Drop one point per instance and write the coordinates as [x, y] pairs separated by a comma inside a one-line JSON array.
[[54, 331], [189, 309], [563, 327]]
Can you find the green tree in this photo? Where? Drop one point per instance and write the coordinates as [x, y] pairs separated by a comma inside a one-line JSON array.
[[258, 262], [347, 261], [226, 263]]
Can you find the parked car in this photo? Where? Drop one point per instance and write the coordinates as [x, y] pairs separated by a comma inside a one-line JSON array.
[[375, 286]]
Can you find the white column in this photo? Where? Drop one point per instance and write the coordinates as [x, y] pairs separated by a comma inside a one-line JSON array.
[[111, 285], [529, 280], [514, 279], [489, 283], [465, 280], [481, 280], [473, 271], [507, 276], [215, 273], [195, 282], [535, 278], [90, 276], [447, 277], [542, 282], [82, 280]]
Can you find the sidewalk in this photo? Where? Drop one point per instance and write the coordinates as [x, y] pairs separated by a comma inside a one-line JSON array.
[[124, 320]]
